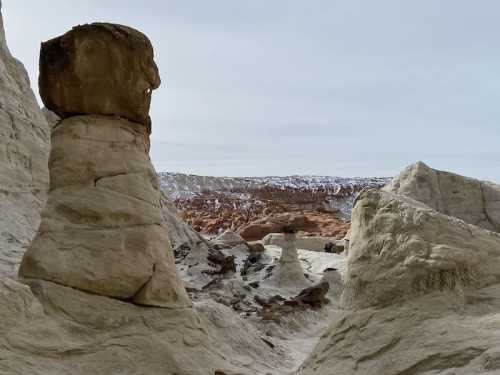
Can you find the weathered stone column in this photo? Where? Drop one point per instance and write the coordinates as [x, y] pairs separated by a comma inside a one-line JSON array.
[[102, 230], [289, 273]]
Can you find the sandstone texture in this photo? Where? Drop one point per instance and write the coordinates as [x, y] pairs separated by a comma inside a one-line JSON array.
[[422, 285], [182, 236], [24, 150], [102, 230], [51, 329], [473, 201], [99, 68]]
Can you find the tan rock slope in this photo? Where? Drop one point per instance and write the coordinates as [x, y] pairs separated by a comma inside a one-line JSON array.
[[24, 149], [475, 202], [102, 230], [422, 288]]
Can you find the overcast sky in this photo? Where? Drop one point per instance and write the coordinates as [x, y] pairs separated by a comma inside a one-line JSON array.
[[262, 87]]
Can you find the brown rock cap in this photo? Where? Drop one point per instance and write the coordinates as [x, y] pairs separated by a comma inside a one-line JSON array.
[[99, 68]]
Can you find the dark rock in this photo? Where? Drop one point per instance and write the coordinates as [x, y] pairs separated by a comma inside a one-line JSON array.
[[217, 258], [99, 68], [252, 259], [254, 284], [256, 247], [331, 247], [314, 296]]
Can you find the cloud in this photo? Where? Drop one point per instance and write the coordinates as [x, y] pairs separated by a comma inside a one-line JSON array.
[[320, 87]]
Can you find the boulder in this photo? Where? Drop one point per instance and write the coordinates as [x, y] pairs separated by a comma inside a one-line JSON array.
[[258, 229], [229, 239], [256, 247], [314, 296], [99, 68]]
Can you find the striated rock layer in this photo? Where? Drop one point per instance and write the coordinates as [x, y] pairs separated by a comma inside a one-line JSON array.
[[473, 201], [102, 230], [24, 149], [422, 287]]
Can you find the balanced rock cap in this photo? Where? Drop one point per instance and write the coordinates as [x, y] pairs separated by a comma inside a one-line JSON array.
[[99, 68]]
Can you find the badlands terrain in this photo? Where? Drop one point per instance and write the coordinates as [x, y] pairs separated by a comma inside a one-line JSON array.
[[257, 206], [99, 274]]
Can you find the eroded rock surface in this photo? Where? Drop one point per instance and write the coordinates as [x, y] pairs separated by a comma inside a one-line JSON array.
[[50, 329], [422, 286], [400, 248], [99, 68], [475, 202], [24, 149], [102, 230]]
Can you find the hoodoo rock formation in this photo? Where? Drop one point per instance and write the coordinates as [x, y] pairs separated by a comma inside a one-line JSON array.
[[102, 230], [48, 328], [289, 274]]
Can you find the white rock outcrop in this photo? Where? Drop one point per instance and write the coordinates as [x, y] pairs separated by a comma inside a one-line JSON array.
[[48, 329], [422, 286], [102, 230], [24, 150], [475, 202]]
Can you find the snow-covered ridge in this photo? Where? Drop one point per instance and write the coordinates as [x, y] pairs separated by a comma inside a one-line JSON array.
[[179, 185]]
